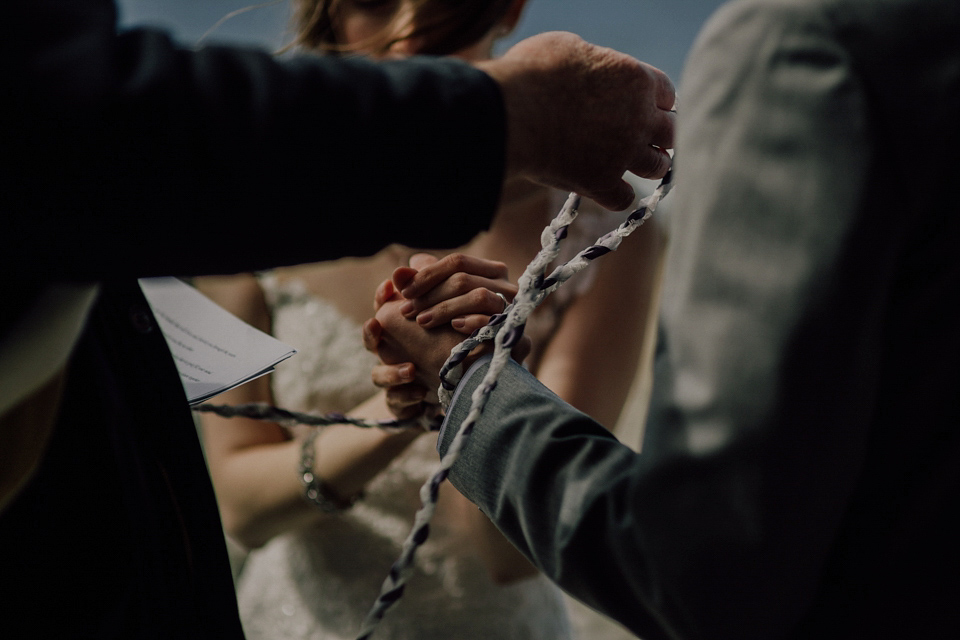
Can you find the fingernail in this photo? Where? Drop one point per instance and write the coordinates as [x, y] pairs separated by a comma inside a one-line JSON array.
[[406, 309], [406, 371], [458, 323], [424, 318]]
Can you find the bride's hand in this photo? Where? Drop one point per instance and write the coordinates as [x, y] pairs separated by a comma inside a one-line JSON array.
[[461, 289], [412, 337], [458, 289], [411, 354]]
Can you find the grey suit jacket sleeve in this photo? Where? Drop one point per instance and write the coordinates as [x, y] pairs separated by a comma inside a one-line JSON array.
[[560, 487], [720, 527]]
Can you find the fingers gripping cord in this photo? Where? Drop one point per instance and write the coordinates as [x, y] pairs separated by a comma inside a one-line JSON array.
[[505, 329]]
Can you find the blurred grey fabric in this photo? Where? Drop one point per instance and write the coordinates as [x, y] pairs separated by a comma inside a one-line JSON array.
[[800, 471]]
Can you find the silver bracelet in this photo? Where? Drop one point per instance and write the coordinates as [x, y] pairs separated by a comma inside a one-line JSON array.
[[314, 490]]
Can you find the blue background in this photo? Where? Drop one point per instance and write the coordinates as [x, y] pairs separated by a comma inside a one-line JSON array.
[[659, 32]]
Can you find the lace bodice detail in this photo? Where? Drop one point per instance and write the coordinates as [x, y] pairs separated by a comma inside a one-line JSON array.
[[331, 371], [320, 582]]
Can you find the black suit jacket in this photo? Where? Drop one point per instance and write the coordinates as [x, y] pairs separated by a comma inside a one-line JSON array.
[[127, 156]]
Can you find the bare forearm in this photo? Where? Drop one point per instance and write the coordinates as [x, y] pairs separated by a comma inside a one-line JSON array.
[[259, 486], [259, 492]]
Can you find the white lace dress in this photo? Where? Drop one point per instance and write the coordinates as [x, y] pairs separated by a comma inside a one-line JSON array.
[[320, 582]]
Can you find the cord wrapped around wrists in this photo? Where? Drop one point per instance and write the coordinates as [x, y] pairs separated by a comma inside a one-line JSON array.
[[505, 329]]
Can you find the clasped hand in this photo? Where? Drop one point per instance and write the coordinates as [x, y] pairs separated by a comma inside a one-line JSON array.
[[422, 313]]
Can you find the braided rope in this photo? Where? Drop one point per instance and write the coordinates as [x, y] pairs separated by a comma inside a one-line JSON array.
[[287, 418], [506, 330]]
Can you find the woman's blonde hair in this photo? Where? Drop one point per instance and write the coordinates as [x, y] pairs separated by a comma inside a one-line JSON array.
[[444, 26]]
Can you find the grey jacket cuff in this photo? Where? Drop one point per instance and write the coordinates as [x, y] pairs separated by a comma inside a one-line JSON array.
[[458, 409]]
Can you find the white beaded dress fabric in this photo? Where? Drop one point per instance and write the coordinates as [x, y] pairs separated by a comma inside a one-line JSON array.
[[319, 582]]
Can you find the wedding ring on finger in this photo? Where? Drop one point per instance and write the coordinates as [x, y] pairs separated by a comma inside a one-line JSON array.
[[502, 297]]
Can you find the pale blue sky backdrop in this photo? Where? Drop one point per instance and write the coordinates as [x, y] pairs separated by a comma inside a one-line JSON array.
[[659, 32]]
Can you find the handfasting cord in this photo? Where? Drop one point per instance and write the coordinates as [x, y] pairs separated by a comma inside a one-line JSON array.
[[534, 287], [264, 411], [506, 330]]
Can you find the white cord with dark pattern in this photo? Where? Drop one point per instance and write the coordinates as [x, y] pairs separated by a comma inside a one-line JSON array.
[[285, 417], [506, 330]]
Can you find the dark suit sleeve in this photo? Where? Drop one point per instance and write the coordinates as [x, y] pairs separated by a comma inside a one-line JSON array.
[[136, 156], [562, 489]]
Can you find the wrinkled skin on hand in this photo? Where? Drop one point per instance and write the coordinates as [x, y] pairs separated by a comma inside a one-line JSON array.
[[579, 116]]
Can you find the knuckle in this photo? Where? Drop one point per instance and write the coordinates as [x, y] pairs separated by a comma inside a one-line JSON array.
[[481, 297], [460, 281], [457, 261], [442, 309]]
